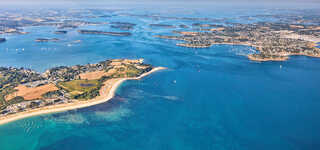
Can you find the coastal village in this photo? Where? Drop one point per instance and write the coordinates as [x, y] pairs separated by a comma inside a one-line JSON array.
[[273, 41], [24, 89]]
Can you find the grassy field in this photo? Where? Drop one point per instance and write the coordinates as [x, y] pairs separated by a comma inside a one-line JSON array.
[[79, 86], [81, 89], [2, 102], [127, 71], [132, 71]]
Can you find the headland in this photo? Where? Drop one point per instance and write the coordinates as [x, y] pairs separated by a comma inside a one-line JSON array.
[[91, 86]]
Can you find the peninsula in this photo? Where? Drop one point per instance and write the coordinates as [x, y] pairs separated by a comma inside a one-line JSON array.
[[25, 93], [273, 41]]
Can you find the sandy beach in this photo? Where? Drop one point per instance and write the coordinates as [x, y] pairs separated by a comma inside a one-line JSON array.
[[107, 92]]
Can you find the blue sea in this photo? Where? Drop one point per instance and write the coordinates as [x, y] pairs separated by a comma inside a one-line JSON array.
[[208, 99]]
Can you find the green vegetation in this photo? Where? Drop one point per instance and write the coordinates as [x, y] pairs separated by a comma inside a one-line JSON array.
[[118, 75], [132, 71], [78, 85], [103, 78], [52, 94], [68, 78], [12, 77], [2, 102], [3, 92], [128, 71], [82, 89], [16, 100], [88, 95]]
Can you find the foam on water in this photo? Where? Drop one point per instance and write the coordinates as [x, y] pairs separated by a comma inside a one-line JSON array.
[[68, 118], [116, 114]]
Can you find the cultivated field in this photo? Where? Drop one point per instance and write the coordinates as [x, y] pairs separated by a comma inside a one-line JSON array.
[[31, 93], [93, 75]]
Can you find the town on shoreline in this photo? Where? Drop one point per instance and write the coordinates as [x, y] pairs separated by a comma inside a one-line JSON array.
[[275, 40], [24, 92]]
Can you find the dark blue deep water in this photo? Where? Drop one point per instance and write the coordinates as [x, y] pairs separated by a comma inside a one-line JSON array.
[[208, 99]]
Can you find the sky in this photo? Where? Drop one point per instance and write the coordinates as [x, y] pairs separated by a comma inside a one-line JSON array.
[[184, 2], [157, 1]]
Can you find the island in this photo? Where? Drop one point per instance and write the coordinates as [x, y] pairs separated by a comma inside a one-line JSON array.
[[104, 33], [183, 26], [122, 25], [273, 41], [46, 40], [162, 25], [61, 32], [2, 40], [25, 93]]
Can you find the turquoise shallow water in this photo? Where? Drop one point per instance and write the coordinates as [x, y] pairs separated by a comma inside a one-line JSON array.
[[212, 98]]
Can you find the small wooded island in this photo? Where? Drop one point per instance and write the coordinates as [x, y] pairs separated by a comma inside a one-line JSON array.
[[104, 33], [2, 40], [24, 92]]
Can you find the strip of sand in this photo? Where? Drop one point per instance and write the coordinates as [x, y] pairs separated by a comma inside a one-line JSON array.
[[106, 93]]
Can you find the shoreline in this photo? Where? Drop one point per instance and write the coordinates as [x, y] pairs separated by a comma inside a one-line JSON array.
[[107, 92], [285, 57], [250, 57]]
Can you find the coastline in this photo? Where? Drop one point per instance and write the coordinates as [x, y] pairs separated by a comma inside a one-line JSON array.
[[250, 57], [107, 92], [284, 57]]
